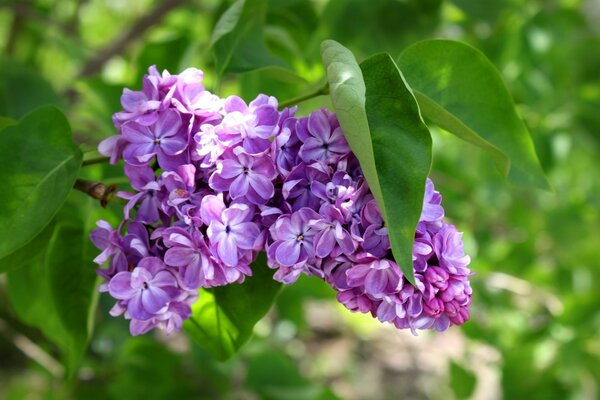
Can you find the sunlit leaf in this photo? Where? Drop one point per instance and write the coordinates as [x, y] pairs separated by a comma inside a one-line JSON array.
[[459, 89], [237, 41], [223, 318], [40, 165]]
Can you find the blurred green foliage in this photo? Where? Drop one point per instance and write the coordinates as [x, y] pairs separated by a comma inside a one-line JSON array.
[[536, 306]]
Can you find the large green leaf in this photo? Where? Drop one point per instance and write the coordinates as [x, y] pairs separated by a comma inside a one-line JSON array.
[[459, 89], [72, 283], [26, 254], [40, 165], [223, 318], [56, 292], [22, 90], [381, 121], [238, 42]]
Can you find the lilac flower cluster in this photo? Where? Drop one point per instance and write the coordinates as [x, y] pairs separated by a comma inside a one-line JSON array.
[[202, 172], [331, 227], [218, 180]]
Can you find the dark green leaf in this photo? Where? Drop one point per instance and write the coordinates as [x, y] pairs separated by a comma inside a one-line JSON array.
[[22, 90], [72, 285], [224, 317], [381, 121], [238, 42], [56, 292], [4, 122], [273, 376], [27, 253], [40, 165], [462, 381], [460, 90]]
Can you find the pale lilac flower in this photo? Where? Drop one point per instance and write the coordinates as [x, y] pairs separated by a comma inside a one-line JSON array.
[[245, 176], [165, 139], [147, 289], [325, 142], [293, 238], [230, 230]]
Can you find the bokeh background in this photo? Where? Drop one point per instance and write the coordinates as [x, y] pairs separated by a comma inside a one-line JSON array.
[[535, 322]]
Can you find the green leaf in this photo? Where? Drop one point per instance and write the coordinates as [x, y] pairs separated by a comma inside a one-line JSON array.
[[4, 122], [381, 121], [460, 90], [462, 381], [22, 90], [238, 42], [223, 318], [40, 165], [26, 254], [72, 286], [56, 292]]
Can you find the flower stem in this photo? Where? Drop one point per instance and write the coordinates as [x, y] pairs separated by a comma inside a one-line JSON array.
[[323, 90], [96, 190], [96, 160]]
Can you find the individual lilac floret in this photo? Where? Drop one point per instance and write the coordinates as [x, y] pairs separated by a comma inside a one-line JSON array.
[[146, 290], [164, 139], [245, 176], [230, 230]]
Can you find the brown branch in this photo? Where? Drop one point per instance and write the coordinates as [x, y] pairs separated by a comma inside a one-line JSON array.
[[96, 190], [94, 65]]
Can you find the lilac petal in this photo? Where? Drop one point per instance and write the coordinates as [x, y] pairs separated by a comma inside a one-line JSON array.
[[262, 185], [139, 153], [168, 124], [338, 143], [138, 327], [148, 211], [376, 282], [139, 176], [227, 249], [230, 169], [239, 187], [136, 308], [120, 288], [313, 150], [132, 101], [211, 209], [135, 133], [163, 278], [235, 103], [154, 298], [288, 253], [173, 145], [386, 311], [236, 214], [180, 256], [192, 275], [318, 124], [246, 234], [324, 243]]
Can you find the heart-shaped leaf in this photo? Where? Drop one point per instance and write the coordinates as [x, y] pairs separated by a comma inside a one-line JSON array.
[[40, 165], [461, 91]]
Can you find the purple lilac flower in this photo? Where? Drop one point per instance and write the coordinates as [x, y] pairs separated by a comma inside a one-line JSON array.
[[349, 242], [245, 176], [146, 290], [232, 179], [230, 230], [163, 139]]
